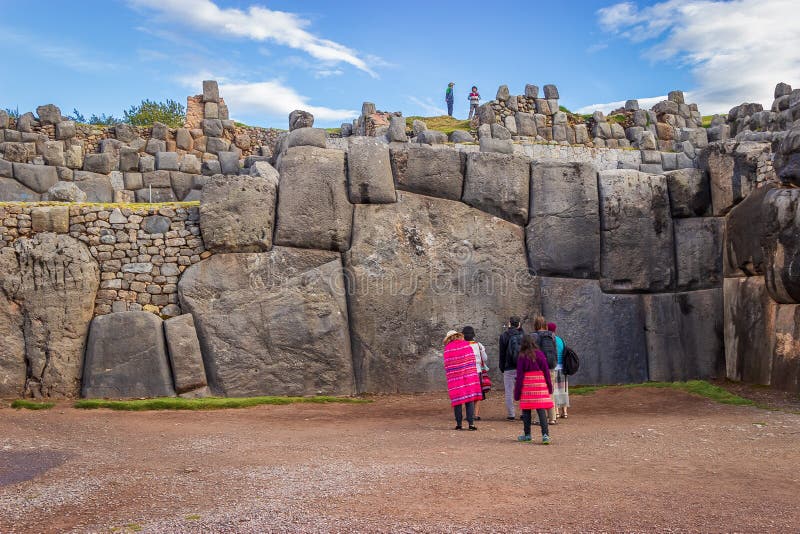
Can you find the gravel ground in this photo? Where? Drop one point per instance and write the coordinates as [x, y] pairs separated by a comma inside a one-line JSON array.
[[626, 459]]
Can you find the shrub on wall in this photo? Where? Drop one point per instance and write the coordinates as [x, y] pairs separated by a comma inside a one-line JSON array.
[[170, 112]]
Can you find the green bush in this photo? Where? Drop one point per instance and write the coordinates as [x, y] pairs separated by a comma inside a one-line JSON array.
[[170, 112]]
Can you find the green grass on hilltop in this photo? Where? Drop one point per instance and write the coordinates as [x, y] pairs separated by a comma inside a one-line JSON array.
[[695, 387], [442, 123], [209, 403], [20, 404]]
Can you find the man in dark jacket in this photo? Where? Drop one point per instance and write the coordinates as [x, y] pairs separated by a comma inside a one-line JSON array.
[[510, 341]]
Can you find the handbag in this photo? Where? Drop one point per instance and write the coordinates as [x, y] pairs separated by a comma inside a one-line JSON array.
[[486, 382]]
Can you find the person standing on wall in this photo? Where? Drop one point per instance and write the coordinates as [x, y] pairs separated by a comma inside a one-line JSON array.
[[474, 98], [448, 97], [510, 343]]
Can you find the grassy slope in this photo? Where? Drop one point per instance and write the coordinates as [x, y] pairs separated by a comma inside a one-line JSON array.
[[211, 403], [442, 123], [696, 387]]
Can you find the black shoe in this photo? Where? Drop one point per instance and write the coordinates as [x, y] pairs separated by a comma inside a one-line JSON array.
[[458, 427], [520, 418], [477, 419], [473, 427], [509, 418]]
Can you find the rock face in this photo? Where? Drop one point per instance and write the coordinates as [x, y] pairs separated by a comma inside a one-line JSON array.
[[369, 172], [272, 323], [428, 171], [698, 251], [48, 285], [636, 232], [689, 194], [563, 236], [313, 207], [684, 335], [498, 184], [300, 119], [185, 356], [126, 357], [786, 349], [749, 320], [733, 170], [781, 245], [606, 331], [745, 227], [237, 213], [423, 266]]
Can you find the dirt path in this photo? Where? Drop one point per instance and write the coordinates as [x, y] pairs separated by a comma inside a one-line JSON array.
[[636, 459]]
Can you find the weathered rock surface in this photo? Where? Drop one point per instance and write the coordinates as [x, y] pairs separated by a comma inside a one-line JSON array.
[[48, 285], [637, 251], [428, 171], [66, 192], [606, 331], [237, 213], [96, 186], [786, 348], [689, 193], [749, 322], [498, 184], [733, 171], [423, 266], [271, 323], [698, 252], [40, 178], [369, 172], [307, 137], [563, 235], [13, 191], [126, 357], [313, 206], [781, 244], [745, 227], [185, 356], [684, 335], [300, 119]]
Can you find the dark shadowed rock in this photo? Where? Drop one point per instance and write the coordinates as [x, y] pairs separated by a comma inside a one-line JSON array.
[[126, 357], [689, 193], [423, 266], [698, 252], [300, 119], [636, 232], [428, 171], [369, 172], [745, 227], [313, 206], [733, 171], [273, 323], [185, 357], [563, 235], [498, 184], [684, 335], [749, 317], [781, 244]]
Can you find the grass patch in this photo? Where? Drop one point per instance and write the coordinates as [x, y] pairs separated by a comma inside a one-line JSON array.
[[193, 517], [21, 404], [565, 110], [695, 387], [442, 123], [209, 403], [334, 131], [619, 119]]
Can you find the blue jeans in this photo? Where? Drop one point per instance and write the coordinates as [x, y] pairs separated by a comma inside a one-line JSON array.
[[450, 107]]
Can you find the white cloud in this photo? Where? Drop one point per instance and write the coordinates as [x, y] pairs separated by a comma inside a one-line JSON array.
[[428, 106], [271, 97], [736, 50], [256, 23], [644, 103]]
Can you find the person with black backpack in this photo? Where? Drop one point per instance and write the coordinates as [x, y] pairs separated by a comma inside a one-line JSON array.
[[546, 341], [510, 343]]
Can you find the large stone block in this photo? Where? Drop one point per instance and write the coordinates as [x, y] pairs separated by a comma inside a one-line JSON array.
[[733, 171], [698, 252], [210, 91], [498, 184], [96, 186], [237, 213], [307, 137], [563, 235], [271, 323], [100, 163], [49, 114], [126, 357], [48, 285], [606, 331], [369, 172], [689, 193], [786, 348], [429, 171], [781, 244], [423, 266], [313, 207], [745, 228], [637, 252], [749, 323], [40, 178], [185, 356], [684, 335], [13, 191]]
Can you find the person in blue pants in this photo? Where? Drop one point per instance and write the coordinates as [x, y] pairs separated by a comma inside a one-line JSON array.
[[448, 97]]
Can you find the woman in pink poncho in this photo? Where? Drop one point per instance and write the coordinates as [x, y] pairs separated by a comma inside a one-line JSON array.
[[463, 384]]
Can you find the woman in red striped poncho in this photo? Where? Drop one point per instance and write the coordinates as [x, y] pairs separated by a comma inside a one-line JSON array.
[[463, 384], [533, 388]]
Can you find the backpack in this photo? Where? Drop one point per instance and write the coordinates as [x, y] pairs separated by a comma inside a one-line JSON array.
[[512, 349], [547, 344], [571, 361]]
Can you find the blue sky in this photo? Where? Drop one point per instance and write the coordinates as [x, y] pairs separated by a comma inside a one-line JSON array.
[[328, 57]]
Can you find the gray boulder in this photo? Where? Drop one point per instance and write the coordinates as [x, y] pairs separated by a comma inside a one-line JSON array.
[[13, 191], [748, 346], [155, 224], [65, 130], [66, 192], [501, 146], [485, 114], [183, 139], [397, 129], [39, 178], [689, 193], [733, 171], [637, 252], [500, 132], [461, 136], [181, 183], [781, 245], [418, 127], [126, 357], [307, 137], [369, 172], [3, 119], [485, 131], [26, 122], [212, 127], [210, 91], [156, 179], [632, 105], [49, 114], [423, 266], [99, 163], [229, 162], [431, 137], [237, 213], [745, 229], [190, 164], [185, 357], [531, 91], [96, 186], [502, 93], [698, 252], [300, 119], [550, 92], [313, 207], [159, 131], [128, 159], [786, 339], [167, 161], [563, 235], [48, 285], [498, 184], [215, 145], [273, 323], [428, 171]]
